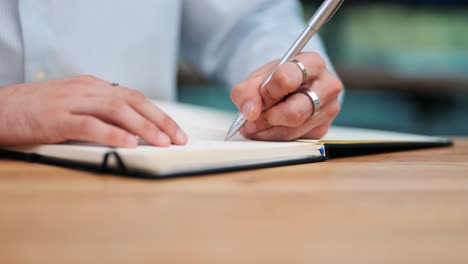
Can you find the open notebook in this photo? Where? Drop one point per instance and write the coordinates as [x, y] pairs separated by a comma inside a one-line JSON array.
[[208, 152]]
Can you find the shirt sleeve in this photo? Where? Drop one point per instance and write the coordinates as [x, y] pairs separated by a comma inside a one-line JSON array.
[[227, 40]]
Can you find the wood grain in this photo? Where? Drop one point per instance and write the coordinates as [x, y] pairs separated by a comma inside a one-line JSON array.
[[407, 207]]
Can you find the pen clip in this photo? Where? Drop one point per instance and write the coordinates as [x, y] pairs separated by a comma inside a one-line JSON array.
[[334, 11]]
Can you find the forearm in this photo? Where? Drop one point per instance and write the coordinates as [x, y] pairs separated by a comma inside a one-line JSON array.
[[235, 47], [271, 36]]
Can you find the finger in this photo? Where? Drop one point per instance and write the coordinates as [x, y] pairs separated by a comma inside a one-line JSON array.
[[140, 103], [116, 111], [247, 98], [327, 88], [293, 112], [290, 134], [137, 101], [298, 107], [148, 109], [144, 106], [91, 129], [288, 77], [318, 132], [327, 115]]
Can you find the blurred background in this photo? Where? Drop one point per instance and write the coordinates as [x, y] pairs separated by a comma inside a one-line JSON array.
[[404, 65]]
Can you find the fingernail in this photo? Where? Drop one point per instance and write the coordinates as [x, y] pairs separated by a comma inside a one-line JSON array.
[[131, 141], [181, 136], [162, 138], [248, 108], [250, 127]]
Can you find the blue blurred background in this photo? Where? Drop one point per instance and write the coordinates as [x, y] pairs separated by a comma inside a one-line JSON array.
[[404, 65]]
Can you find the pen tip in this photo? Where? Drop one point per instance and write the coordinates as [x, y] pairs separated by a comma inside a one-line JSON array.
[[236, 126], [229, 135]]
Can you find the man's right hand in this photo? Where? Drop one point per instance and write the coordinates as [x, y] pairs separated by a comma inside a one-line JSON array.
[[82, 108]]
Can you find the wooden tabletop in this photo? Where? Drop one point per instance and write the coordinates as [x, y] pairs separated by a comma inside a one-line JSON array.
[[408, 207]]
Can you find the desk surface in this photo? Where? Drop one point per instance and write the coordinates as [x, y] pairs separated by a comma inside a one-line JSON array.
[[408, 207]]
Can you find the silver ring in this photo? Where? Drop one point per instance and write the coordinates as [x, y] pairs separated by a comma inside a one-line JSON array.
[[302, 68], [313, 97], [114, 84]]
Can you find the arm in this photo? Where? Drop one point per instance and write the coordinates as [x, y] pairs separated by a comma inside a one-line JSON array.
[[229, 40]]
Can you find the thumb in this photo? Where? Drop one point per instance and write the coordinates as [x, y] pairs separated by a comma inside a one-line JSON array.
[[246, 96]]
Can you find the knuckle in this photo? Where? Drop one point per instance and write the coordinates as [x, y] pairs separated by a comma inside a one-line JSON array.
[[295, 117], [333, 110], [283, 79], [337, 87], [147, 126], [267, 94], [115, 136], [336, 109], [167, 122], [340, 86], [88, 78], [115, 107], [237, 92], [60, 132], [82, 82], [320, 132], [136, 96], [319, 61], [85, 124], [63, 126]]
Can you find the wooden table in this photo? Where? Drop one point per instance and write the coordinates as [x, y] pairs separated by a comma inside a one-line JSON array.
[[408, 207]]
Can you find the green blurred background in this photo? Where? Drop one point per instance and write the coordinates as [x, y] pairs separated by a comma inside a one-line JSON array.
[[404, 65]]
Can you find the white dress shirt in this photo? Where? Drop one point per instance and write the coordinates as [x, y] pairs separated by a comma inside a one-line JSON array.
[[138, 43]]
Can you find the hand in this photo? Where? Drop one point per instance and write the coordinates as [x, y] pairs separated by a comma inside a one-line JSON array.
[[272, 117], [82, 108]]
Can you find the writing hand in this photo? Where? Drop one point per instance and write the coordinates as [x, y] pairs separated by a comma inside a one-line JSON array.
[[276, 113]]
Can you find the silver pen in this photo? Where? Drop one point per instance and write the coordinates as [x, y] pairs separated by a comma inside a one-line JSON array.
[[321, 16]]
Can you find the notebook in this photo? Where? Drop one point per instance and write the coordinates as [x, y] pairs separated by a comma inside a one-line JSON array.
[[208, 152]]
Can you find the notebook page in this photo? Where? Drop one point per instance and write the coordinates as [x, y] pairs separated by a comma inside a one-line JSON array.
[[206, 130]]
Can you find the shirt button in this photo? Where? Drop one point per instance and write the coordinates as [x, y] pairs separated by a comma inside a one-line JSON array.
[[40, 75]]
